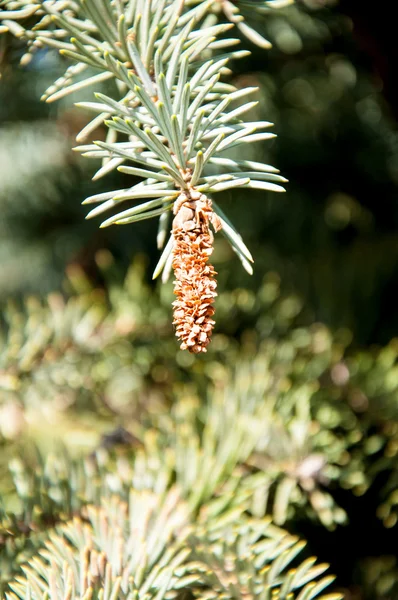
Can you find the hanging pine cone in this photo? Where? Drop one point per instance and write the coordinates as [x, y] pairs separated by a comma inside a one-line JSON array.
[[194, 284]]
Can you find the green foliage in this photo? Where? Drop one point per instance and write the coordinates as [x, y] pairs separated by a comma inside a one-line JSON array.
[[313, 79], [325, 412], [195, 536], [210, 459], [274, 436], [36, 175], [147, 548], [172, 106]]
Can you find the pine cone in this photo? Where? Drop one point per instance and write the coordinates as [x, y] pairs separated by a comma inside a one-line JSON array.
[[194, 284]]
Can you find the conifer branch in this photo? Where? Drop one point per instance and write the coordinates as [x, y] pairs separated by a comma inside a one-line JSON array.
[[170, 114]]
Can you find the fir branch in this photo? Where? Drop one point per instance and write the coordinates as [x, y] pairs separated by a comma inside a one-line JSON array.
[[290, 468], [172, 111], [141, 548]]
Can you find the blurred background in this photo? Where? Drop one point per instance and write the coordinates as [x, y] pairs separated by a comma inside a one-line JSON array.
[[87, 335]]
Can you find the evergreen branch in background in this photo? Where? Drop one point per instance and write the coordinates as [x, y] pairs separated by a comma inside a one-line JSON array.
[[201, 519], [290, 420], [172, 108], [272, 437], [242, 554], [120, 550], [75, 344], [146, 546], [37, 173]]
